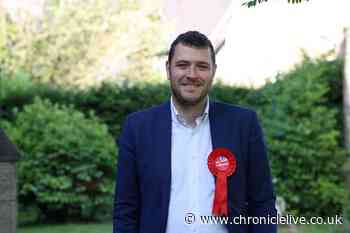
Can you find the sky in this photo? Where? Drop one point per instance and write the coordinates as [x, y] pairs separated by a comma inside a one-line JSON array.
[[269, 38]]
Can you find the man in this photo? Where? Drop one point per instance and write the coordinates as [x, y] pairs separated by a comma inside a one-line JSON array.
[[163, 172]]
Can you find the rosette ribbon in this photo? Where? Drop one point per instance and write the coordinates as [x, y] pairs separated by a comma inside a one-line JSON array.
[[221, 163]]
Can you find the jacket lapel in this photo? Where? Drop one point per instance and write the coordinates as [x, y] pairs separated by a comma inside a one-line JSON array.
[[162, 134], [217, 126]]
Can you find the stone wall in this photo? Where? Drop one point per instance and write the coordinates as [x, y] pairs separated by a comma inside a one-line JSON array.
[[8, 205], [8, 185]]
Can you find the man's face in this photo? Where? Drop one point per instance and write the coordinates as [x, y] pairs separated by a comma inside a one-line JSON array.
[[191, 73]]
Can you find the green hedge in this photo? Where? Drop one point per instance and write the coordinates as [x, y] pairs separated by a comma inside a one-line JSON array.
[[67, 161], [303, 121], [300, 113]]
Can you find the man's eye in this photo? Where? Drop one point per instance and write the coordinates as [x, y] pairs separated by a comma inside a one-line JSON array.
[[181, 65], [203, 67]]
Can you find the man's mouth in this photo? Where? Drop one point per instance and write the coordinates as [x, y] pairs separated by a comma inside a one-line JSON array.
[[191, 84]]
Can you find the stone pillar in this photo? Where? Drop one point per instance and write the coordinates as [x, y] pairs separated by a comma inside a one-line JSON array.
[[345, 53], [346, 110], [8, 197]]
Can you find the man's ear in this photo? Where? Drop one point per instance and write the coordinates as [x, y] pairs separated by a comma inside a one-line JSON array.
[[214, 69], [167, 68]]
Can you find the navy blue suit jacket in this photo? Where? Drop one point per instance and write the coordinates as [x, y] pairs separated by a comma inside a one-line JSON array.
[[144, 169]]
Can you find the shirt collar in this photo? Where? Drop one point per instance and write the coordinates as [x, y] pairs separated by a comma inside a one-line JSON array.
[[177, 117]]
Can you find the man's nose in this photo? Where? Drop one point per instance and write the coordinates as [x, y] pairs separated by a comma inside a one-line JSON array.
[[192, 72]]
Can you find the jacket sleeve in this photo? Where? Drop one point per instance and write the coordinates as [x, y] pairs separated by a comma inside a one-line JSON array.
[[127, 199], [261, 197]]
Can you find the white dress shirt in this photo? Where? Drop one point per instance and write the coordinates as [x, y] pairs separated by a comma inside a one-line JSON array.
[[192, 184]]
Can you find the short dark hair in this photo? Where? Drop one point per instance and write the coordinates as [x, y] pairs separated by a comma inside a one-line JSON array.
[[192, 39]]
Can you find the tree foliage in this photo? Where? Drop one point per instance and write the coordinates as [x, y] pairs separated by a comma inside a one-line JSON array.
[[82, 42], [253, 3]]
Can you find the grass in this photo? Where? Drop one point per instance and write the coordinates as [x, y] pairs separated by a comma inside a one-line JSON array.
[[107, 228], [68, 228], [310, 229]]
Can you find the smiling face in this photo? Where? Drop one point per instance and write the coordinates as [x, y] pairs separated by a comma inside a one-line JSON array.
[[191, 72]]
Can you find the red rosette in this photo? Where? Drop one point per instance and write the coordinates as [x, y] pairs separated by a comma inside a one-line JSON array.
[[221, 163]]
